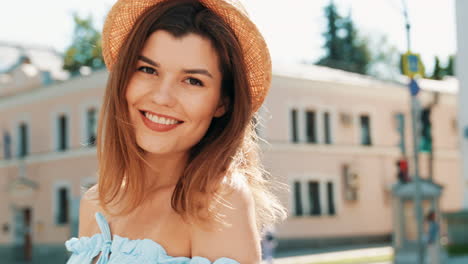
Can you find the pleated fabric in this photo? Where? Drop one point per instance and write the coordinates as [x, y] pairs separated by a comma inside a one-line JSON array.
[[123, 250]]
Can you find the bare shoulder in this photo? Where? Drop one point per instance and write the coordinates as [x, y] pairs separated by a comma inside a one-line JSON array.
[[238, 238], [89, 205]]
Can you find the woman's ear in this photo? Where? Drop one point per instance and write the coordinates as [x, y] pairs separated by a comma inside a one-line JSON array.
[[222, 108]]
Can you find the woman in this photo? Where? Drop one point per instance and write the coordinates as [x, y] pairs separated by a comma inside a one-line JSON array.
[[179, 173]]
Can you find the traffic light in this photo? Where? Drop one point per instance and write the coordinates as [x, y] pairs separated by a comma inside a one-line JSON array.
[[402, 175], [425, 144]]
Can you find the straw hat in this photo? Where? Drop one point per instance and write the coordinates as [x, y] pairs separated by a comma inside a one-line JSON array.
[[124, 13]]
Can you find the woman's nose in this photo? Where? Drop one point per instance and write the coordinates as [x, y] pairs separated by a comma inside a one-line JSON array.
[[164, 92]]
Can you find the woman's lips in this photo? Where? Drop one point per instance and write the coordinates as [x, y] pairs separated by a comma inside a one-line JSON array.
[[157, 126], [160, 115]]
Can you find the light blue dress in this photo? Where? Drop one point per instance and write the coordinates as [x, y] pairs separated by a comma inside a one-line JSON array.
[[125, 251]]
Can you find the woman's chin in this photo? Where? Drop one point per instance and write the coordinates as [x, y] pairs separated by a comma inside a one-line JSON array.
[[158, 150]]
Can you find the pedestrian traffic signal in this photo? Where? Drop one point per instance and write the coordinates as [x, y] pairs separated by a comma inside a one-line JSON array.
[[402, 175], [425, 144]]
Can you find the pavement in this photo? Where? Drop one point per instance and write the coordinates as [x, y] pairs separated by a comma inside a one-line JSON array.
[[381, 253], [347, 254], [339, 254], [458, 260]]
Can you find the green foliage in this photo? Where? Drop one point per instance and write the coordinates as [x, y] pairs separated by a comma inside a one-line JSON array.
[[85, 49], [450, 70], [332, 39], [457, 249], [344, 48], [438, 72], [385, 58]]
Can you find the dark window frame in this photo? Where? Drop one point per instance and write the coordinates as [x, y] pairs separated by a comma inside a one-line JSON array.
[[91, 131], [365, 128], [327, 128], [314, 198], [23, 147], [63, 205], [7, 153], [294, 114], [331, 198], [298, 205], [311, 126], [62, 129]]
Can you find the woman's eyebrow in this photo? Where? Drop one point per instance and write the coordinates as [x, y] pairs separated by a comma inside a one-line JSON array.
[[198, 71], [189, 71], [148, 60]]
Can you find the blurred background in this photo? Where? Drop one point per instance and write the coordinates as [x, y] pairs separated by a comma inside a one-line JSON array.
[[365, 124]]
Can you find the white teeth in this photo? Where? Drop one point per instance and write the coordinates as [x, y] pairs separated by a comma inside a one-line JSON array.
[[160, 120]]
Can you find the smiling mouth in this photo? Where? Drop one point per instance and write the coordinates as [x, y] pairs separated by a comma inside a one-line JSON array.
[[162, 120]]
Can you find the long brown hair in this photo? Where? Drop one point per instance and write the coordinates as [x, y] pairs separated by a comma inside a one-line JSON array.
[[230, 145]]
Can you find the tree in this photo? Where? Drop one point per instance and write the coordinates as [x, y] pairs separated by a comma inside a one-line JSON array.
[[450, 70], [85, 49], [356, 51], [333, 42], [344, 48], [385, 58], [438, 72]]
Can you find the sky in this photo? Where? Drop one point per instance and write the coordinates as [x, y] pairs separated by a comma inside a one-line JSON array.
[[293, 29]]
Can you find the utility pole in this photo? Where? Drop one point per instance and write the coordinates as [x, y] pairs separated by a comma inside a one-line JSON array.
[[414, 119]]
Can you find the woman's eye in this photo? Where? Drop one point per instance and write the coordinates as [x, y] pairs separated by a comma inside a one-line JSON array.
[[193, 81], [147, 70]]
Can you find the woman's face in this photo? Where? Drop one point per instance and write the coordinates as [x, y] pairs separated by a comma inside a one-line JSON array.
[[178, 79]]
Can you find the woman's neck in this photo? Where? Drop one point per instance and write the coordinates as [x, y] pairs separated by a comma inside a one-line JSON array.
[[164, 171]]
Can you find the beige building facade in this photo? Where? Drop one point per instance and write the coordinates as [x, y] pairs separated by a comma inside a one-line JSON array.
[[340, 175], [333, 142]]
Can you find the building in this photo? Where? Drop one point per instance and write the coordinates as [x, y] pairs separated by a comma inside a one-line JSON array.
[[41, 149], [334, 141], [335, 138]]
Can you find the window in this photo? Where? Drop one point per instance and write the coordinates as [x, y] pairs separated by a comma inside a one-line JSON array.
[[23, 140], [314, 198], [365, 130], [63, 135], [326, 126], [6, 145], [400, 119], [91, 126], [330, 196], [63, 204], [308, 201], [297, 199], [311, 133], [294, 124]]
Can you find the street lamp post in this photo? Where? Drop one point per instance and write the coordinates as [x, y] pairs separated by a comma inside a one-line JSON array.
[[416, 178]]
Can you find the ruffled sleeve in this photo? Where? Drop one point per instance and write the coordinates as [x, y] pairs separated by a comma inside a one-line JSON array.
[[124, 250], [84, 249]]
